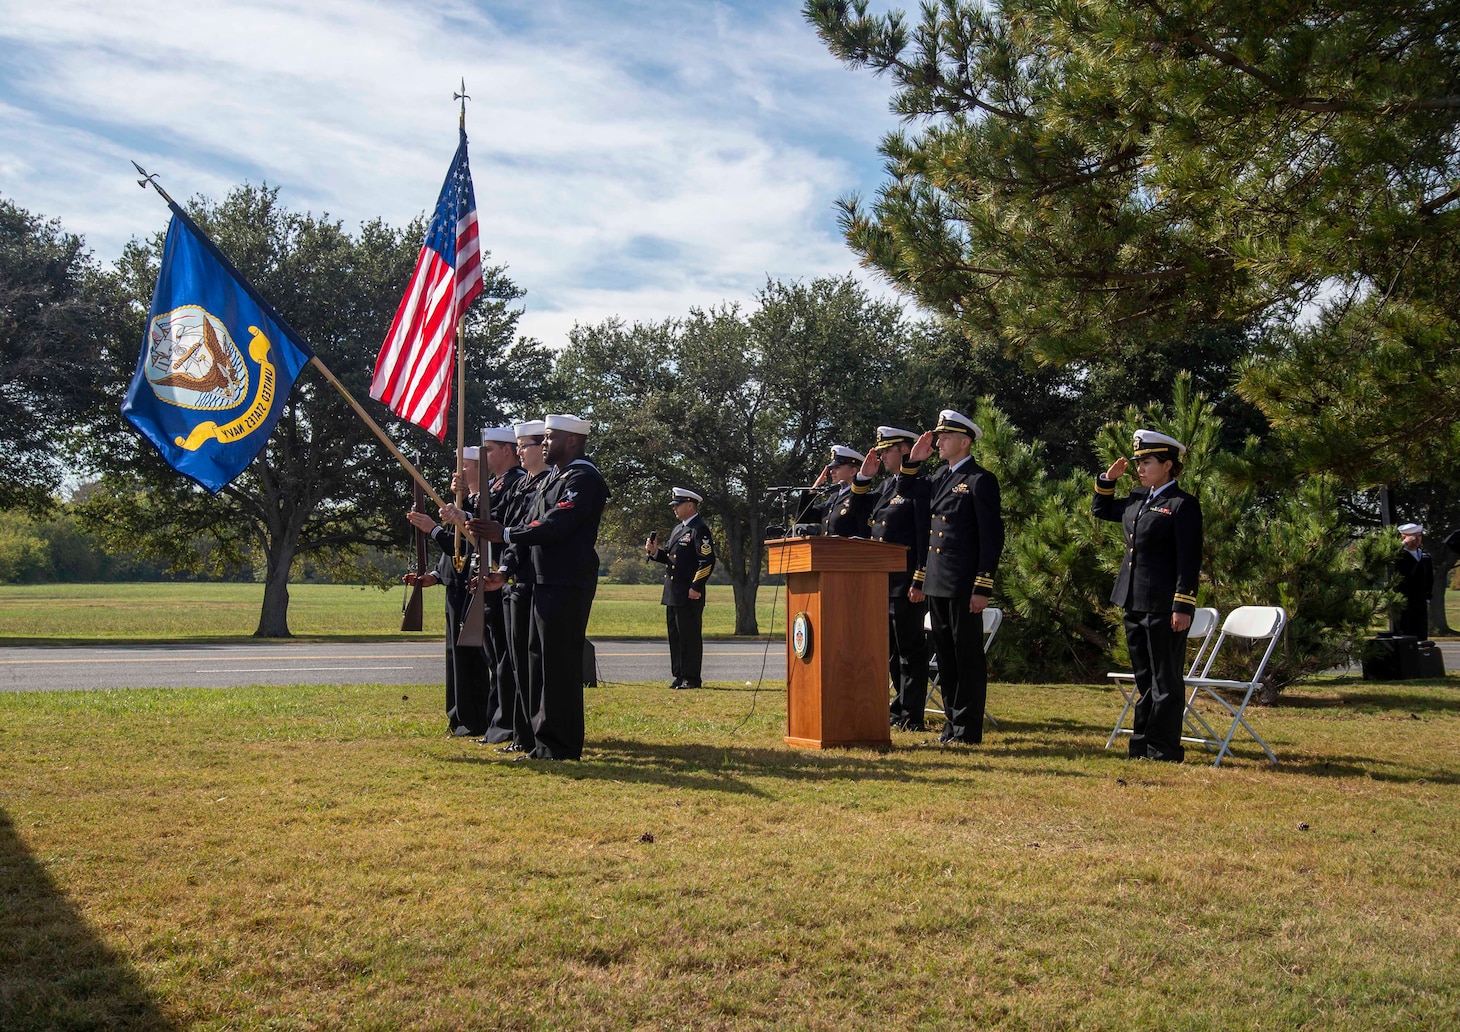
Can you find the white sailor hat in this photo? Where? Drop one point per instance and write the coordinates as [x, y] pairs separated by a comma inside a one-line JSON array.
[[684, 494], [951, 422], [887, 436], [499, 434], [531, 428], [570, 424], [842, 455], [472, 452], [1149, 442], [1411, 528]]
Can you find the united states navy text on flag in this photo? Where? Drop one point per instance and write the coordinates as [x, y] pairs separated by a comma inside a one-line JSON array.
[[217, 362], [413, 372]]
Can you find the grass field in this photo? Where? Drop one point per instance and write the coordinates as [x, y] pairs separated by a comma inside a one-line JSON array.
[[78, 613], [324, 858]]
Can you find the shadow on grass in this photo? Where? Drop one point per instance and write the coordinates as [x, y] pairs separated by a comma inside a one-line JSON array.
[[721, 768], [55, 972], [1411, 698]]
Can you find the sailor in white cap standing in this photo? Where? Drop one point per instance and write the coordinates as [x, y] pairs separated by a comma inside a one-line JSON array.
[[1416, 572], [560, 538], [499, 456], [467, 678], [516, 568], [1156, 585], [689, 556], [965, 538]]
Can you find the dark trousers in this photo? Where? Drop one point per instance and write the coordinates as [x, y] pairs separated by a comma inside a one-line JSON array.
[[1414, 618], [560, 626], [518, 609], [467, 678], [1157, 659], [962, 672], [907, 659], [498, 652], [686, 643]]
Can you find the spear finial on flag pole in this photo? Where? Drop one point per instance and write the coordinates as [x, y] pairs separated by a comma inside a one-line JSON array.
[[463, 96]]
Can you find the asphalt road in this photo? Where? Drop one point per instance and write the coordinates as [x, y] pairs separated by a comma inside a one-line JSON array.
[[225, 666]]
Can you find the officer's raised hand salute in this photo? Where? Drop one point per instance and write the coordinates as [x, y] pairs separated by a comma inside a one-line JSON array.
[[1156, 585], [902, 519], [848, 508]]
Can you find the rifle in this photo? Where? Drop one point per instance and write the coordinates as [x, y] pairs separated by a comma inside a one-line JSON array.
[[473, 629], [410, 612]]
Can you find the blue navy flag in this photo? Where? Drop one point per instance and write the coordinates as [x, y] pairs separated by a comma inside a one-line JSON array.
[[217, 362]]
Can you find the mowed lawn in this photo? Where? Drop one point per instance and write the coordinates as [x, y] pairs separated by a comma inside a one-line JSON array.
[[325, 858], [81, 613]]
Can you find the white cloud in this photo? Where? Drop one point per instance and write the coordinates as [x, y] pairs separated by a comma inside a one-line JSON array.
[[631, 159]]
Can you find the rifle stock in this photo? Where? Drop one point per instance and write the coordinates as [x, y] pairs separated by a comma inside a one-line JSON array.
[[411, 613]]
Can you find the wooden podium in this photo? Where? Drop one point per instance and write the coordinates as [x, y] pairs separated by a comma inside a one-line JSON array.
[[836, 638]]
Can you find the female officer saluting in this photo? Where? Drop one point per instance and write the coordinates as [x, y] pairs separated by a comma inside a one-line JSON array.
[[1156, 586]]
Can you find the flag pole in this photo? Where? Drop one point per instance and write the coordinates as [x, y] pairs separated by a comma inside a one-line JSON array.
[[151, 180], [456, 557]]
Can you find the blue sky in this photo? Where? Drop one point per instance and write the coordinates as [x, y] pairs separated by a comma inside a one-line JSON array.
[[630, 158]]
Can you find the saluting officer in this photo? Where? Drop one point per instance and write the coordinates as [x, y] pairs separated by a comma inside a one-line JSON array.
[[847, 510], [689, 555], [560, 535], [499, 455], [903, 520], [1156, 585], [966, 535]]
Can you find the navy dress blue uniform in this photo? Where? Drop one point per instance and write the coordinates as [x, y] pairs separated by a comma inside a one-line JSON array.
[[902, 519], [517, 608], [1416, 579], [965, 539], [468, 680], [689, 556], [495, 640], [1158, 577], [560, 540]]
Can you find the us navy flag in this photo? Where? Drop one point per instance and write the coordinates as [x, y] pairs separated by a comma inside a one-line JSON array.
[[217, 362]]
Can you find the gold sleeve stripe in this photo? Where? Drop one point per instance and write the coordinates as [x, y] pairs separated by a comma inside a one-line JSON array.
[[1103, 490], [911, 469], [861, 488], [920, 575], [983, 582], [1188, 599], [702, 573]]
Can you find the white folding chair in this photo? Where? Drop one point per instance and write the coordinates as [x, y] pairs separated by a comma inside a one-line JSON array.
[[1250, 623], [1203, 623], [993, 619]]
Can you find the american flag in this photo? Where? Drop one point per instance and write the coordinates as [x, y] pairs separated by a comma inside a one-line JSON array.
[[413, 372]]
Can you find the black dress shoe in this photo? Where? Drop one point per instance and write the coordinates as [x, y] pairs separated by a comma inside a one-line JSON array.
[[462, 731], [690, 684], [675, 683], [510, 747]]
